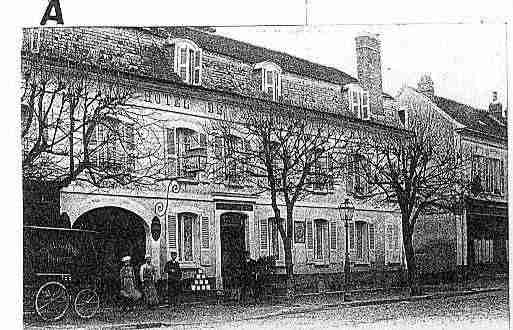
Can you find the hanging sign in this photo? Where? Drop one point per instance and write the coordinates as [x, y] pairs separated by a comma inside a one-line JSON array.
[[156, 228]]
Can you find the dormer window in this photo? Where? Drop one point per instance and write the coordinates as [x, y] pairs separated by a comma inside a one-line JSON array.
[[359, 101], [270, 75], [187, 60]]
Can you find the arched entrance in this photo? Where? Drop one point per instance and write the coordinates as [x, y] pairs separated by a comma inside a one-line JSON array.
[[121, 233], [233, 245]]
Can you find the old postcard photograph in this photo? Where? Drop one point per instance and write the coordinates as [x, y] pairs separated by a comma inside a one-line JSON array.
[[302, 174]]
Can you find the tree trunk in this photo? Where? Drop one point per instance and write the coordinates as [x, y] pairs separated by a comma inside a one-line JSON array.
[[410, 258]]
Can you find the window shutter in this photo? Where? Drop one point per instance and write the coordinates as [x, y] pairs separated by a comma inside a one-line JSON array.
[[205, 239], [203, 140], [171, 233], [372, 237], [397, 250], [170, 141], [197, 68], [502, 180], [218, 147], [309, 235], [309, 240], [333, 235], [351, 235], [125, 152], [264, 240], [388, 243], [365, 105], [349, 174], [246, 232], [182, 63]]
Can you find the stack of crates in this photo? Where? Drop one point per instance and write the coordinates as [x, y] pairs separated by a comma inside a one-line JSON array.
[[200, 282]]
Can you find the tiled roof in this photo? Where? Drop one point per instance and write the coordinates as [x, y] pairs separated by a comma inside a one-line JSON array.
[[252, 54], [472, 118]]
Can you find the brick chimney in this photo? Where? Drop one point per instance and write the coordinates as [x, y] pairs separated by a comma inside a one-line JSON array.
[[495, 107], [426, 85], [368, 64]]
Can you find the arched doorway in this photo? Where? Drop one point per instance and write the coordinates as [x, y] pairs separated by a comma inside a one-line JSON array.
[[121, 233], [233, 245]]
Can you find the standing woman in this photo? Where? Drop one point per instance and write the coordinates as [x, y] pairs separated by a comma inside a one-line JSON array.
[[147, 275], [127, 277]]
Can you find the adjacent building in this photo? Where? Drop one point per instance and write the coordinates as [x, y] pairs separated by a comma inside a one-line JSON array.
[[475, 236]]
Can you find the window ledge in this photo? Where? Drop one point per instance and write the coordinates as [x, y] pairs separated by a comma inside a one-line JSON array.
[[189, 265], [321, 192], [319, 263]]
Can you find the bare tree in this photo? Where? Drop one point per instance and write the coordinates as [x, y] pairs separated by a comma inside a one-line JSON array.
[[424, 170], [286, 154], [76, 126]]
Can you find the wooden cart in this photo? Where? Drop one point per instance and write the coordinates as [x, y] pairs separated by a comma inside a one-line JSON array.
[[60, 269]]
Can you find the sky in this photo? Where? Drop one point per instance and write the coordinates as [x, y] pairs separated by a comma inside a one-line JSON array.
[[466, 61]]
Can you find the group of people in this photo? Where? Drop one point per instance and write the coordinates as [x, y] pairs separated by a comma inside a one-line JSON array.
[[248, 277], [147, 276]]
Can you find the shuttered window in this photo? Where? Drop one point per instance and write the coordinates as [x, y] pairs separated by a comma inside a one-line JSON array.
[[309, 235], [333, 235], [171, 229], [246, 233], [205, 239], [372, 237], [170, 141], [349, 162], [392, 244], [263, 234], [351, 235]]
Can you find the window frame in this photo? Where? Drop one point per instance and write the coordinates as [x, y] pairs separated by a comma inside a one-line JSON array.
[[180, 157], [192, 65], [276, 78], [356, 96], [181, 235], [325, 241]]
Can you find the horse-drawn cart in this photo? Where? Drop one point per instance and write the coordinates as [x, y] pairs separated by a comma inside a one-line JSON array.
[[60, 269]]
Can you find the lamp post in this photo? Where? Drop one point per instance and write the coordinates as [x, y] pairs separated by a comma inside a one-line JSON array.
[[346, 211]]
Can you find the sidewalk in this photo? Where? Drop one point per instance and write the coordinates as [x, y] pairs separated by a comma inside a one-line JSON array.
[[209, 314]]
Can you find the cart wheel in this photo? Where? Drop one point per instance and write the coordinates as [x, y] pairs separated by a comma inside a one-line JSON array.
[[86, 303], [52, 301]]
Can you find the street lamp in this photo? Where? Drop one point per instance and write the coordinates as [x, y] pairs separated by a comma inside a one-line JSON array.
[[346, 211]]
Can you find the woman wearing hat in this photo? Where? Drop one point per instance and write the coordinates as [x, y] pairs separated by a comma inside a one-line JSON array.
[[147, 275], [127, 277]]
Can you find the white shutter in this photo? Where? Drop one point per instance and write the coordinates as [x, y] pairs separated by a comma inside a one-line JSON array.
[[196, 79], [205, 238], [182, 63], [397, 250], [388, 243], [333, 235], [246, 233], [309, 240], [365, 105], [372, 242], [171, 233], [205, 241], [264, 238]]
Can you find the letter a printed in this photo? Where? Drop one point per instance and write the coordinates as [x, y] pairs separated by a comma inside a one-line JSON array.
[[58, 13]]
